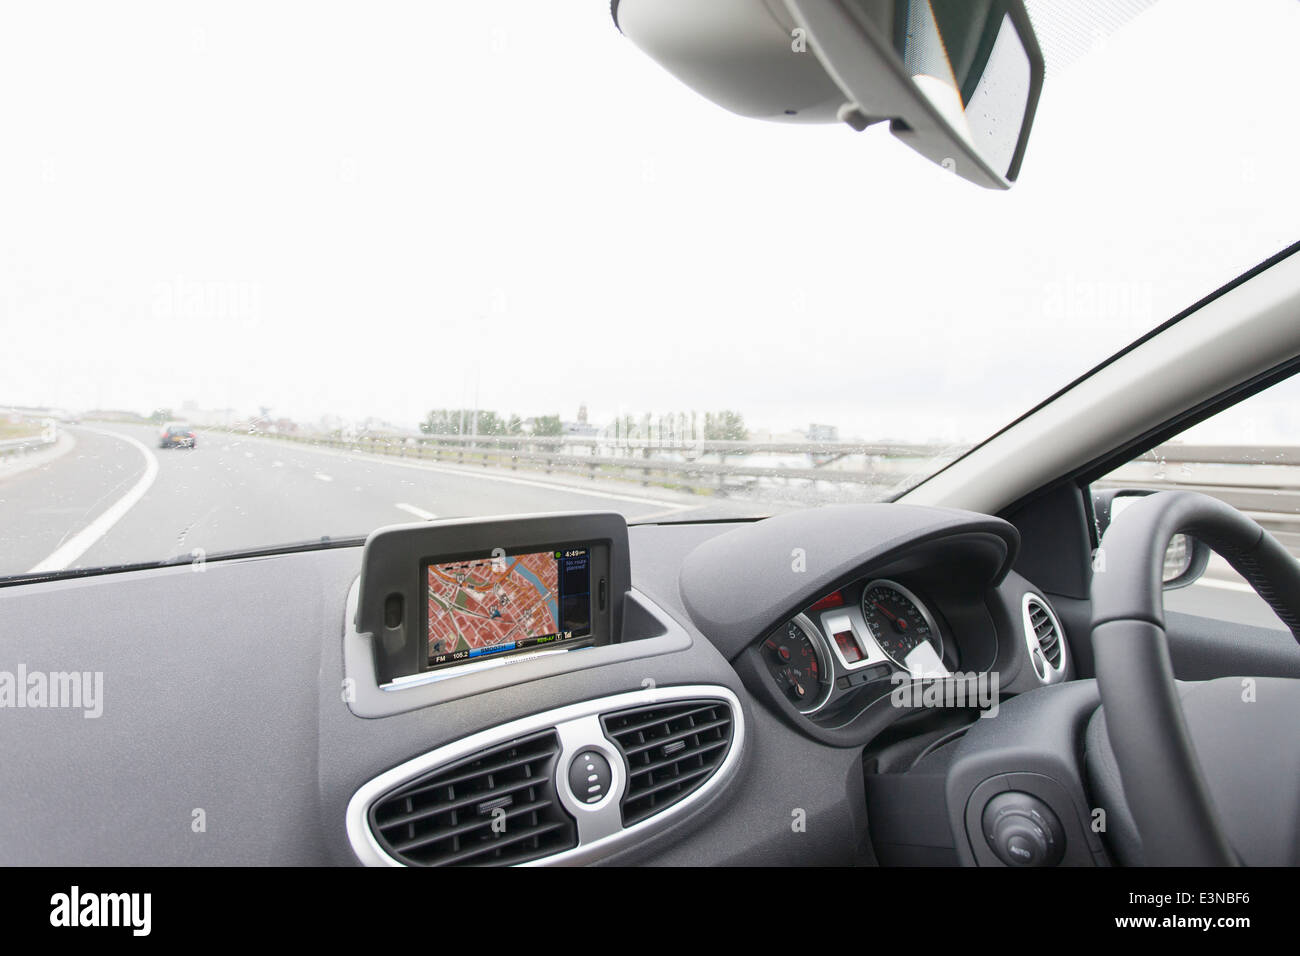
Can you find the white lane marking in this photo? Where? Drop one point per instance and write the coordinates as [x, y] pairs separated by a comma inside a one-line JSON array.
[[418, 512], [1225, 585], [80, 543], [320, 476]]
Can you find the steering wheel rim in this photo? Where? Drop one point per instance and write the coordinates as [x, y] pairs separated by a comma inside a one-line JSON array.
[[1161, 776]]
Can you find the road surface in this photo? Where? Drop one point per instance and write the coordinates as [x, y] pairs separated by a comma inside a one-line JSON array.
[[117, 498]]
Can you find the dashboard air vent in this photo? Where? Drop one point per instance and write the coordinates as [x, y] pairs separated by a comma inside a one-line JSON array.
[[670, 749], [494, 808], [1044, 637]]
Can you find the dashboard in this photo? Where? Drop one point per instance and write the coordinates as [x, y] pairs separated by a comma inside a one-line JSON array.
[[327, 706]]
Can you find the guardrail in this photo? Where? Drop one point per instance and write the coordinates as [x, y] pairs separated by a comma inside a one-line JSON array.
[[823, 470], [28, 443], [1262, 481]]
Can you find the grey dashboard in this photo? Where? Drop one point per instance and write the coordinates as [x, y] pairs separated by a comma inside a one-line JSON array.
[[226, 736]]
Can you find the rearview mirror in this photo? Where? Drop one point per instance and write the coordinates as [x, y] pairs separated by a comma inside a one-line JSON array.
[[957, 80]]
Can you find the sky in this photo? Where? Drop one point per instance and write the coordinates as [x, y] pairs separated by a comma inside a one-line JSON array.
[[377, 209]]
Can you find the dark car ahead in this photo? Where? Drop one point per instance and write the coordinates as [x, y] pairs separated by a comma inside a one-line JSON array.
[[177, 435]]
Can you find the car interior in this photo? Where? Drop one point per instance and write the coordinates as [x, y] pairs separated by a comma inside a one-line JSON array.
[[1018, 659]]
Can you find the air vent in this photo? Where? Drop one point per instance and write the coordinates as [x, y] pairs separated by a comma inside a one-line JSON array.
[[447, 817], [1044, 638], [670, 749]]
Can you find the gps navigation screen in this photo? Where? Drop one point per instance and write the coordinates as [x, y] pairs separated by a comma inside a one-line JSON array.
[[484, 606]]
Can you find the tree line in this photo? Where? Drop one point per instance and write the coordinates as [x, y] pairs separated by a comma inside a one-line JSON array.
[[725, 425]]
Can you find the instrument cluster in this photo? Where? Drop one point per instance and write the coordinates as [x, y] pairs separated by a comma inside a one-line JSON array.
[[865, 632]]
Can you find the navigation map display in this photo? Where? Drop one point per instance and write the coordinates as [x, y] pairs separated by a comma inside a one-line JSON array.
[[506, 603]]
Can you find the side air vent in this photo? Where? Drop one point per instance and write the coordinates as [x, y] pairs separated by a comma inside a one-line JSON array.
[[670, 749], [447, 816], [1044, 638]]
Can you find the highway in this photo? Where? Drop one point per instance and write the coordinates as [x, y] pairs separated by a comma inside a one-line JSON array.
[[107, 495], [116, 498]]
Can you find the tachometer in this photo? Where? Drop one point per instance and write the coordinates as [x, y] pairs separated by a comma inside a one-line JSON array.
[[898, 621], [797, 659]]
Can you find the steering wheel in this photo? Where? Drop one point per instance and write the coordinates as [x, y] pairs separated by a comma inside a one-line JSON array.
[[1162, 780]]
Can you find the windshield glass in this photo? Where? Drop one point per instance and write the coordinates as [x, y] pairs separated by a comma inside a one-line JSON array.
[[391, 266]]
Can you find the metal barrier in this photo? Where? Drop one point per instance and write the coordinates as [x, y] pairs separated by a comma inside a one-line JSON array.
[[1262, 481], [27, 444], [699, 467]]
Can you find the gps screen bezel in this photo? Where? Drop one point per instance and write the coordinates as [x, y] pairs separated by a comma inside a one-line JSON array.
[[393, 575]]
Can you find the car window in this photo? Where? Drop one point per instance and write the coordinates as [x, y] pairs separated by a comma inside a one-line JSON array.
[[1247, 455]]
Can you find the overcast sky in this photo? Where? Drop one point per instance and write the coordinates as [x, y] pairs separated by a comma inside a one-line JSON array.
[[379, 208]]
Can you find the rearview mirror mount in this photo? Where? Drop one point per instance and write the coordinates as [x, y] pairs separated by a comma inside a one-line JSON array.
[[957, 80]]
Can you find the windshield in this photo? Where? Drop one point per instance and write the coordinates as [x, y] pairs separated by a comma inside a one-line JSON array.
[[391, 267]]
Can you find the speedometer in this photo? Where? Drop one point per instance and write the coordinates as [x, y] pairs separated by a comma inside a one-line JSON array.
[[898, 621], [797, 660]]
